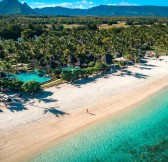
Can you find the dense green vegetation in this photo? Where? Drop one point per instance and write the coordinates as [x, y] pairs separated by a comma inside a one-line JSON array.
[[44, 43], [72, 75], [17, 85], [31, 87], [82, 20], [11, 84]]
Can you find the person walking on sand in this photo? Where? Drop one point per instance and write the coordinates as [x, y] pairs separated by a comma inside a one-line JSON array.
[[87, 111]]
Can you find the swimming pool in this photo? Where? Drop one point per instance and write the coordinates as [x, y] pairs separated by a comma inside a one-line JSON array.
[[33, 76]]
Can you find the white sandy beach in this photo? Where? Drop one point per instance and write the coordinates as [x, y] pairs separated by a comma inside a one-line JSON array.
[[30, 126]]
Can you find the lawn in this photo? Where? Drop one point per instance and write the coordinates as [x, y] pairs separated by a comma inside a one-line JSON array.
[[52, 83]]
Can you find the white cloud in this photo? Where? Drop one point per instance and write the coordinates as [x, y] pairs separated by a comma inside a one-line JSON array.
[[42, 5], [86, 2], [79, 4], [37, 3], [23, 2], [122, 4]]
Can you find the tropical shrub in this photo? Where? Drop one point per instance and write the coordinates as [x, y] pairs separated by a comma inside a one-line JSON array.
[[66, 75], [31, 87], [91, 64], [121, 64], [72, 75], [137, 60], [102, 66], [57, 72], [11, 84], [16, 85]]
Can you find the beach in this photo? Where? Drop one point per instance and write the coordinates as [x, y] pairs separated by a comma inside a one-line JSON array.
[[60, 110]]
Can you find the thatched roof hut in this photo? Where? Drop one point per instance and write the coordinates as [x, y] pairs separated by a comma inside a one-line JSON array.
[[90, 57], [150, 54], [78, 64], [107, 58], [72, 60], [55, 63], [120, 59], [117, 55], [80, 41]]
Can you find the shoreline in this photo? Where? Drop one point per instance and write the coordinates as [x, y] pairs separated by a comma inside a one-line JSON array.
[[38, 141]]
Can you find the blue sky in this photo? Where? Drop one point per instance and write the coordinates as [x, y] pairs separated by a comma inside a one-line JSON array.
[[91, 3]]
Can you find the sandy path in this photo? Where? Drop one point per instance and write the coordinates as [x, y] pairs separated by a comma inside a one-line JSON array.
[[36, 130]]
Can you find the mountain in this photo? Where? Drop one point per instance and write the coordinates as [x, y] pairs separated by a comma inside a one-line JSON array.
[[60, 11], [104, 10], [15, 7], [128, 11]]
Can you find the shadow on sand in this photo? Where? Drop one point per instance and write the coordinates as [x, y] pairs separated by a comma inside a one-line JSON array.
[[46, 94], [18, 103], [144, 66], [55, 112], [91, 114], [47, 100], [88, 80], [150, 65], [129, 73], [17, 107]]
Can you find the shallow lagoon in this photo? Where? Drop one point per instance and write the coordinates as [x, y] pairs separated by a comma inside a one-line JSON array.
[[137, 134]]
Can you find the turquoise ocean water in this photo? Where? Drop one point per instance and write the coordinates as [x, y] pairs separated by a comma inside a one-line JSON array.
[[138, 134]]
